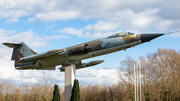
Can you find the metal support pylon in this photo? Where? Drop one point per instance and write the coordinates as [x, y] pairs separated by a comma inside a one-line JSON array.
[[70, 75], [137, 81]]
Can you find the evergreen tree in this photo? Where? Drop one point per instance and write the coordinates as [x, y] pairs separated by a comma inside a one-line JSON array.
[[75, 91], [56, 96], [78, 91]]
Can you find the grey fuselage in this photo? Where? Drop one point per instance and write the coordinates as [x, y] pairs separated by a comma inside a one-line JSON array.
[[74, 54], [78, 52]]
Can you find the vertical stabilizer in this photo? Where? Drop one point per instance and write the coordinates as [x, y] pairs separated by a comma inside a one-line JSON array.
[[19, 50]]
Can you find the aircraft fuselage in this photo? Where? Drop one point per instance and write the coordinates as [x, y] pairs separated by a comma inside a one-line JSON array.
[[74, 54]]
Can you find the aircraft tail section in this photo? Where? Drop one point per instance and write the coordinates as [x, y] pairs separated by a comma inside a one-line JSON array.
[[19, 50]]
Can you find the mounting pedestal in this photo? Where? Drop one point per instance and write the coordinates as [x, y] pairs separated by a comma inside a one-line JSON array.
[[70, 75]]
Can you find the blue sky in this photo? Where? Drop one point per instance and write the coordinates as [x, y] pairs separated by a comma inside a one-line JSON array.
[[46, 25]]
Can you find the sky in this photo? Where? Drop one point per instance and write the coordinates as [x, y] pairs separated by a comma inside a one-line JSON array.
[[55, 24]]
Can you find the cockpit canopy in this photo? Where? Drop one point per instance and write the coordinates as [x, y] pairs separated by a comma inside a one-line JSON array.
[[121, 34]]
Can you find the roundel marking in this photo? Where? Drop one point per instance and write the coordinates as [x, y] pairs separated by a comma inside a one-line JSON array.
[[103, 45]]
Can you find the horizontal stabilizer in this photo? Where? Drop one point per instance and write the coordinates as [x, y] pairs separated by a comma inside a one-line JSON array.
[[12, 45]]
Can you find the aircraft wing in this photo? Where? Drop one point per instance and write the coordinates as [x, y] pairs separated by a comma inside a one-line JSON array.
[[43, 55]]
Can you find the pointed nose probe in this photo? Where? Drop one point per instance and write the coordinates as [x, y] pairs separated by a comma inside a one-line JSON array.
[[149, 37]]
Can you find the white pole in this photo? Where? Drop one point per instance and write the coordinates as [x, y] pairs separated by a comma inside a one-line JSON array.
[[140, 81], [135, 81], [70, 75]]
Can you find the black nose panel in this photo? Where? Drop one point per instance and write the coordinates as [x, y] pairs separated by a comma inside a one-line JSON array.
[[149, 37]]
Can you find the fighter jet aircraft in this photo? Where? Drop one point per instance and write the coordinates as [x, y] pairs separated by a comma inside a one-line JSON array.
[[25, 58]]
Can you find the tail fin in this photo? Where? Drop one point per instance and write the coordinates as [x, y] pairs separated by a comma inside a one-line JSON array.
[[20, 50]]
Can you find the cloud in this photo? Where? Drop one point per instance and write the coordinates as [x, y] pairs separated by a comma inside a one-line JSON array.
[[54, 16], [55, 37], [97, 76], [112, 16], [72, 31], [7, 70], [55, 10], [98, 30], [101, 26], [97, 34], [30, 80], [27, 37], [6, 32], [11, 10], [50, 26], [144, 21], [9, 74]]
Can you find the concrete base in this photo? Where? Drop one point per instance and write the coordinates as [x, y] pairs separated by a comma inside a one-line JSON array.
[[70, 72]]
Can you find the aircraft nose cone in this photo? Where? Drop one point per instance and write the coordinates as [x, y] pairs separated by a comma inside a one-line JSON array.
[[149, 37]]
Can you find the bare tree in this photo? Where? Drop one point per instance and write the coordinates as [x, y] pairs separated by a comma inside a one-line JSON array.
[[126, 74], [46, 82], [160, 82]]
